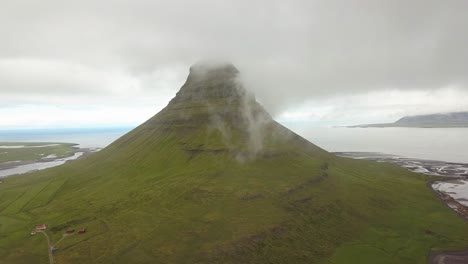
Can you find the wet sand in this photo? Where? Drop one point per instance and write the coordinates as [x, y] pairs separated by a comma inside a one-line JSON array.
[[449, 258], [428, 167], [11, 168]]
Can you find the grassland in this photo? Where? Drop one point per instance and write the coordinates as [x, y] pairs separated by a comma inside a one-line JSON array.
[[34, 151], [169, 206]]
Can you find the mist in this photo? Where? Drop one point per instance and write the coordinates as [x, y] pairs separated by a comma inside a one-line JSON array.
[[300, 58]]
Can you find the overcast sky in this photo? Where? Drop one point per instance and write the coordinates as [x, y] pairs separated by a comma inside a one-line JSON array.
[[117, 63]]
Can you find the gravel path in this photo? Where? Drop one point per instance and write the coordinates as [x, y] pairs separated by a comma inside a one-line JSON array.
[[49, 246]]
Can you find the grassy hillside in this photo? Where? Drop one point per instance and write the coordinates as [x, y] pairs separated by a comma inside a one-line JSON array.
[[271, 211], [195, 184]]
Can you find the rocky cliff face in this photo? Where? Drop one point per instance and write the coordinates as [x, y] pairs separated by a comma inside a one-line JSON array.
[[206, 82], [214, 99], [213, 112], [213, 91]]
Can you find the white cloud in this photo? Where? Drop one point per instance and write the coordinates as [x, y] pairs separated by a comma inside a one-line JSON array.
[[33, 116], [39, 76], [376, 107], [327, 61]]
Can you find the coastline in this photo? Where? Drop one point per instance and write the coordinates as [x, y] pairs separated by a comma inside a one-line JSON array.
[[443, 256], [449, 201], [442, 172], [7, 169]]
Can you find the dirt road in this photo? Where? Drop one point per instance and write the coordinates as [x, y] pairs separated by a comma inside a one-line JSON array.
[[49, 246]]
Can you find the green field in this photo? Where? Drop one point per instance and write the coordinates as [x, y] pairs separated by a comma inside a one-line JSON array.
[[362, 212], [169, 207], [191, 185], [34, 151]]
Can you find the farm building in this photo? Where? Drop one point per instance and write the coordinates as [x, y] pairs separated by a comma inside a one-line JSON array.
[[41, 227]]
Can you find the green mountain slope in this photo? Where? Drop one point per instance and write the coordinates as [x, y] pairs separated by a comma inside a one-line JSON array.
[[213, 179]]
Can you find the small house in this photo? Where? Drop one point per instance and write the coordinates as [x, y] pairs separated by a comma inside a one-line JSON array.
[[41, 227], [70, 231], [33, 233], [82, 231]]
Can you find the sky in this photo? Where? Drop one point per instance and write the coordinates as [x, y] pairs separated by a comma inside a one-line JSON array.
[[319, 63]]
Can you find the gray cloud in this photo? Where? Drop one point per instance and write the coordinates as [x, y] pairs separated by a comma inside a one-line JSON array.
[[288, 51]]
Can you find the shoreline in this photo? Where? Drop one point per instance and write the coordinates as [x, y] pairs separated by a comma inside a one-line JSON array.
[[442, 172], [449, 256], [449, 201], [77, 151]]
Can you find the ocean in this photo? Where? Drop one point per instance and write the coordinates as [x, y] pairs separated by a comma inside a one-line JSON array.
[[443, 144], [85, 137]]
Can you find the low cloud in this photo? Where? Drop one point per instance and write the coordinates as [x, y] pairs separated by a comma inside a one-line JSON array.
[[289, 53], [375, 107], [56, 78]]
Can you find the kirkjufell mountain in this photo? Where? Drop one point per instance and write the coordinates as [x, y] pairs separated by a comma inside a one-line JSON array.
[[214, 104], [212, 178]]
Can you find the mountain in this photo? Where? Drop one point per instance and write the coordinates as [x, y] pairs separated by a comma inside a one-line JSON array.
[[212, 178], [456, 119]]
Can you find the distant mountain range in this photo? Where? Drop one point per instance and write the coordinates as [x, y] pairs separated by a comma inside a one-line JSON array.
[[455, 119]]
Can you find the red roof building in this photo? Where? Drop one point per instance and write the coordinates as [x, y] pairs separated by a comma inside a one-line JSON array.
[[41, 227], [82, 231]]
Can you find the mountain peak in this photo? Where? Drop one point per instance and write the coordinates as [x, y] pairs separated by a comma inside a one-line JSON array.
[[208, 81], [203, 70], [212, 112]]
